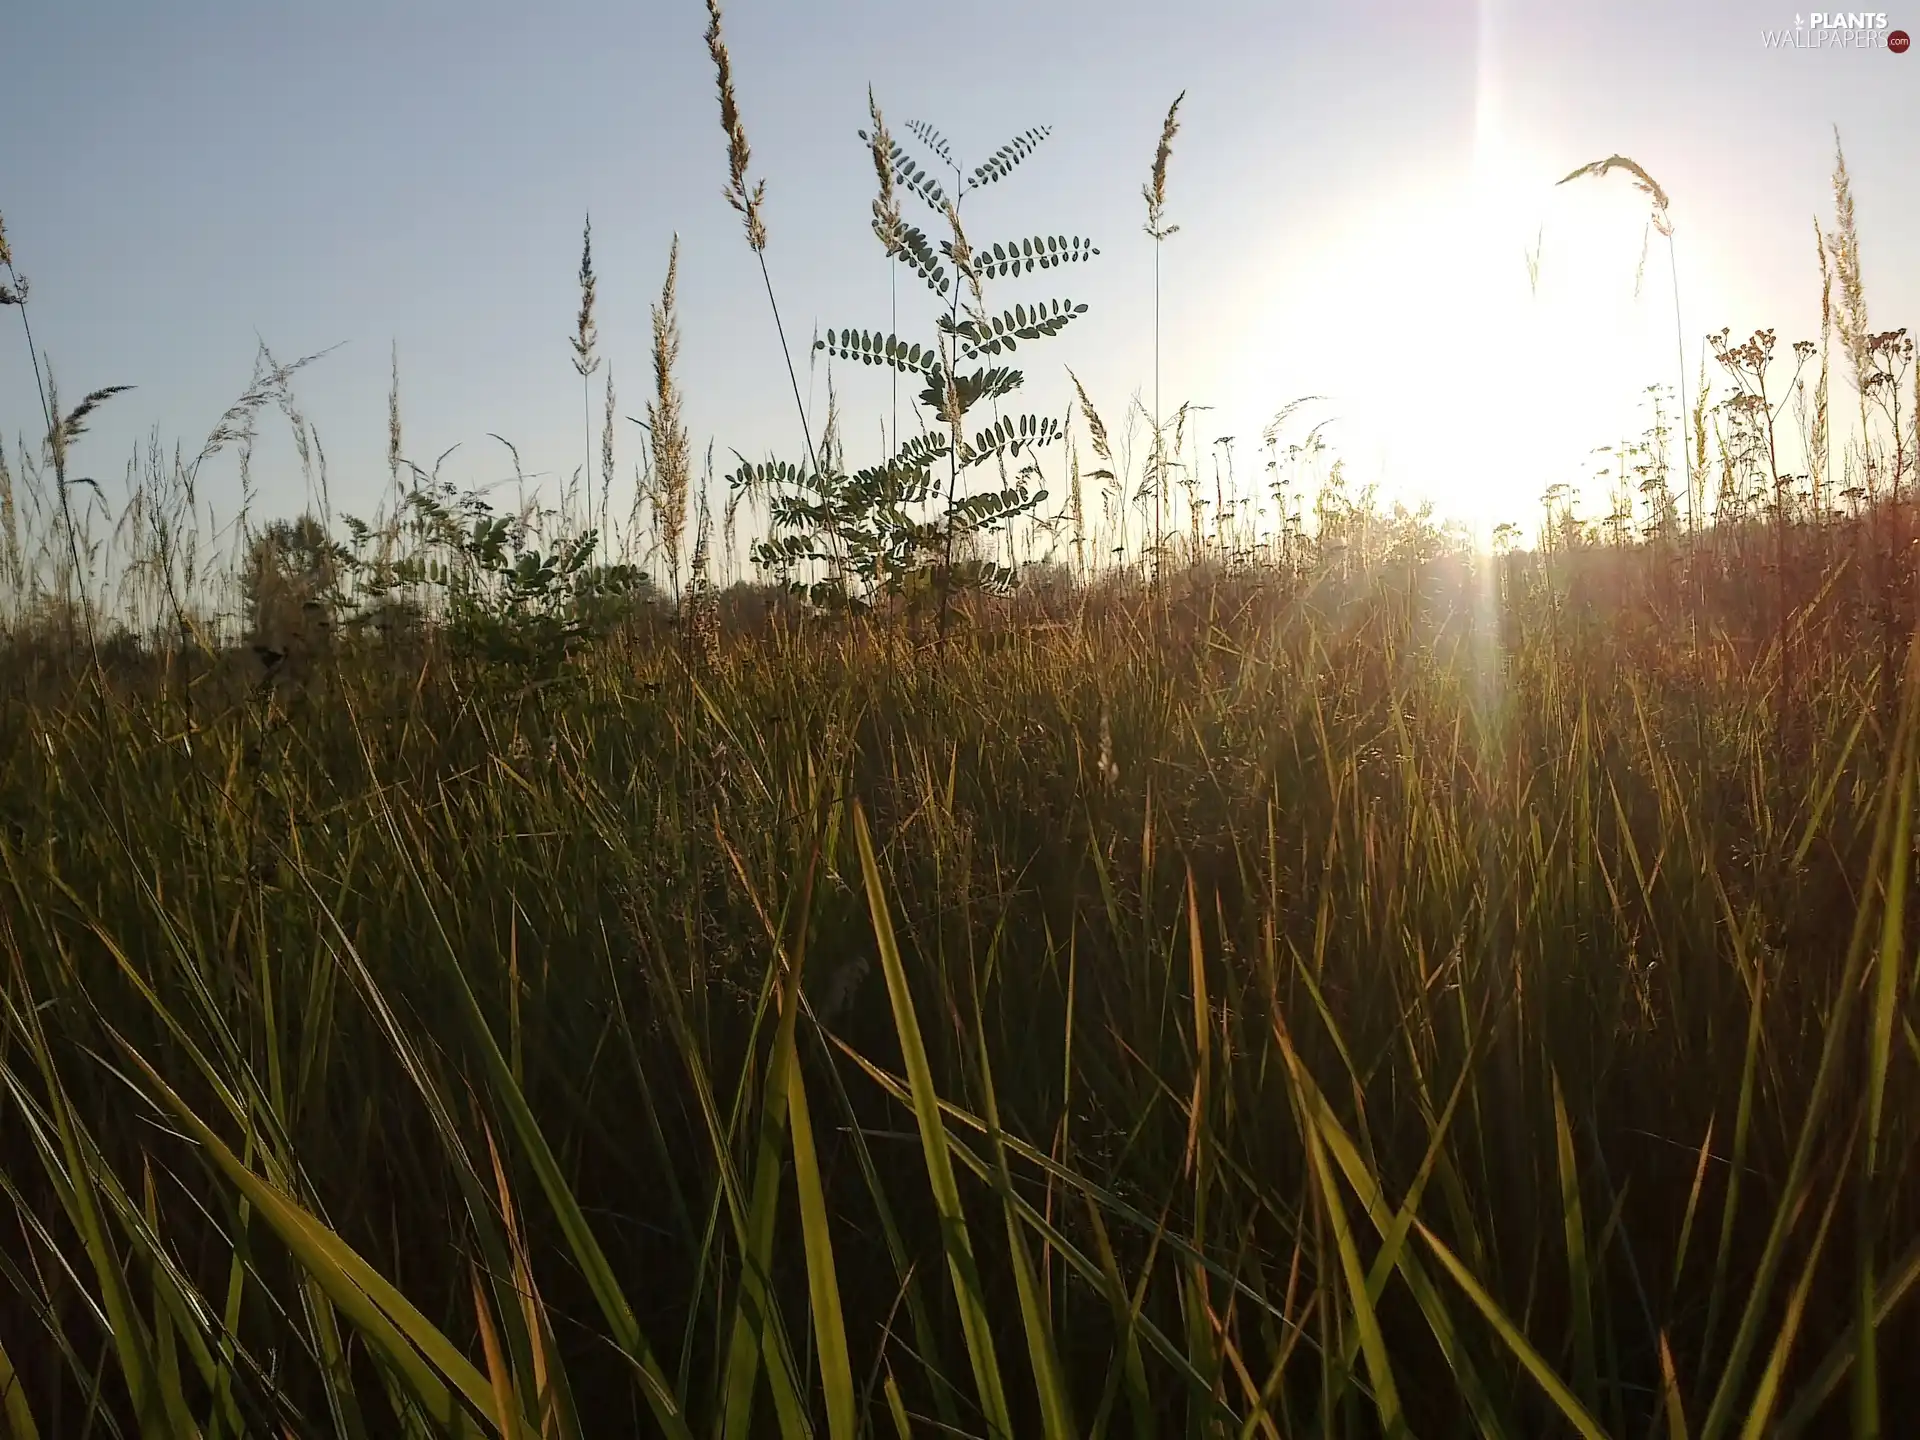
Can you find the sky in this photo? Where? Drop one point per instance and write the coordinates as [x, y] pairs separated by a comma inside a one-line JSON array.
[[1358, 188]]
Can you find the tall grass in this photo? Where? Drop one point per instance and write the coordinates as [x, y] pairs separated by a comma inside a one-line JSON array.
[[1411, 993], [1154, 192]]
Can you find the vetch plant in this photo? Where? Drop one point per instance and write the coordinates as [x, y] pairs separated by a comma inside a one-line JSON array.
[[870, 529]]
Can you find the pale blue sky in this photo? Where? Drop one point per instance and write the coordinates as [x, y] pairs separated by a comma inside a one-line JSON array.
[[1355, 185]]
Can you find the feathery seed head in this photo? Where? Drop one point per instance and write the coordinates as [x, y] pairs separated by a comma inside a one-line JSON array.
[[1642, 181], [1155, 190], [606, 434], [667, 431], [393, 419], [1850, 315], [963, 255], [744, 196], [15, 294], [585, 361], [886, 206]]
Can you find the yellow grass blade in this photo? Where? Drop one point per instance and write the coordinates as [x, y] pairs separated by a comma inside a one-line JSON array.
[[1554, 1387], [13, 1402], [433, 1368], [933, 1142], [505, 1407]]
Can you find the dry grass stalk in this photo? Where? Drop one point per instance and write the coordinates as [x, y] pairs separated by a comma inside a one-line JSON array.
[[585, 336], [1642, 181], [886, 204], [745, 195], [10, 566], [1850, 316], [14, 293], [671, 462], [748, 196], [585, 345], [703, 608], [963, 258], [1818, 459], [1096, 436], [1660, 220], [1077, 506], [606, 461], [393, 419], [1155, 190]]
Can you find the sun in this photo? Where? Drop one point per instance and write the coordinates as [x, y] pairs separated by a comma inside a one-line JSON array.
[[1480, 330]]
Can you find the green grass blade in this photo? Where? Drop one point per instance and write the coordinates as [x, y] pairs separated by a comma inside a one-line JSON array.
[[585, 1246], [13, 1402], [816, 1229], [1767, 1391], [1373, 1345], [1555, 1389], [967, 1292], [1056, 1407], [1579, 1277], [431, 1365]]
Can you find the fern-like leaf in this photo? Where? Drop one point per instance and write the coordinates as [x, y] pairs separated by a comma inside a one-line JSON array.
[[932, 139], [1010, 435], [1004, 259], [870, 347], [910, 175], [990, 335], [1001, 163], [768, 477], [917, 253]]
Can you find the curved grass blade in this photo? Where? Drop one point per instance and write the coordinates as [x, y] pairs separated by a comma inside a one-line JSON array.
[[1056, 1407], [587, 1252], [1373, 1345], [13, 1402], [933, 1142], [432, 1367], [829, 1321], [1555, 1388], [1579, 1275]]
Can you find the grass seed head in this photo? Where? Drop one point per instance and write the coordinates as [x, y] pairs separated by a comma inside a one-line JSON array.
[[886, 205], [1155, 190], [585, 337], [668, 432], [742, 193]]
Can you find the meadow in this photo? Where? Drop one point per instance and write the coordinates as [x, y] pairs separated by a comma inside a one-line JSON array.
[[1317, 976]]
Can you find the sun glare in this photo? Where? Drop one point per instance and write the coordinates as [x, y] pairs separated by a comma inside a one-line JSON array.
[[1483, 330]]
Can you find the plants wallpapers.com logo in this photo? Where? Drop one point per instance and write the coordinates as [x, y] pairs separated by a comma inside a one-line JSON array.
[[1839, 30]]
